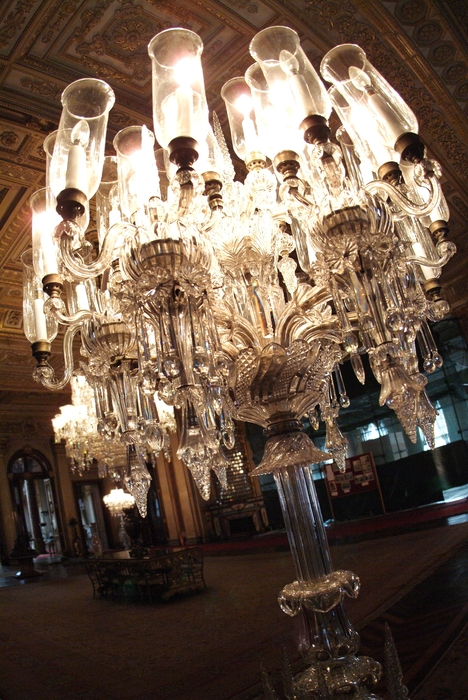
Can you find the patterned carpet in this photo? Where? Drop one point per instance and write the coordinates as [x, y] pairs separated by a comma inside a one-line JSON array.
[[58, 643]]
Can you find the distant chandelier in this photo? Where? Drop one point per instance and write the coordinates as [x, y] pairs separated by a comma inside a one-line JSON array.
[[241, 301], [76, 426], [117, 501]]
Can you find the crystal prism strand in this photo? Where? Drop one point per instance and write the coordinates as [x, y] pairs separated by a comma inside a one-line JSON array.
[[432, 350], [219, 466], [199, 350], [401, 393], [313, 417], [379, 333], [287, 266], [193, 450], [123, 388], [149, 424], [137, 480], [327, 640], [170, 361], [344, 399], [228, 173], [200, 472], [393, 672], [426, 417], [335, 442], [350, 341], [358, 368], [426, 414]]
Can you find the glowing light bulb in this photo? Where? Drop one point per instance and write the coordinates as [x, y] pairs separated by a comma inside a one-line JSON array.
[[383, 111], [80, 133], [288, 62], [244, 105], [77, 176], [184, 72], [179, 108], [40, 320], [114, 213], [359, 78]]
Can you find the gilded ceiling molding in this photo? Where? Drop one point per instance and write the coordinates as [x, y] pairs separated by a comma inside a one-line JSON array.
[[15, 358], [14, 318], [120, 119], [19, 173], [426, 27], [13, 233], [15, 20], [182, 13], [456, 11], [342, 20], [27, 428], [247, 5], [124, 39], [461, 205], [89, 18], [9, 138], [47, 67], [64, 10], [41, 87], [225, 19]]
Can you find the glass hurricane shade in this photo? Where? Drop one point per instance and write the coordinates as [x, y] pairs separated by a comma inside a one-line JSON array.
[[78, 153], [44, 220], [179, 102], [362, 86], [37, 326], [238, 99], [289, 73], [276, 117], [138, 178]]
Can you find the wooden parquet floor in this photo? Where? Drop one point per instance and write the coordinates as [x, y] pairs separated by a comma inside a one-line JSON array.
[[425, 623]]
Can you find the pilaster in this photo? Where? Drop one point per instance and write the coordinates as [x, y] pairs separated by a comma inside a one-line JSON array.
[[7, 516]]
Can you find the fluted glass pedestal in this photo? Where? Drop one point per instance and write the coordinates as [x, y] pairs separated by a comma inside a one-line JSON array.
[[327, 642]]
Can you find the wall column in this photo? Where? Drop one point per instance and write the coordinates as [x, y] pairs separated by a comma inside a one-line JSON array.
[[181, 502], [64, 495], [6, 506]]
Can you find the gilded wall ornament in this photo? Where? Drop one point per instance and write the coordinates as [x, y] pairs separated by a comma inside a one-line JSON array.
[[8, 138]]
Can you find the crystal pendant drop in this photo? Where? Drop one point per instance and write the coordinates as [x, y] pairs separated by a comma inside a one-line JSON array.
[[426, 416], [358, 368], [137, 481]]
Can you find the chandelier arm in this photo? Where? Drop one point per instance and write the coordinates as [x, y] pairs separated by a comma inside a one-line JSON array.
[[83, 272], [214, 219], [443, 260], [381, 187], [63, 318], [69, 363], [185, 200], [294, 192]]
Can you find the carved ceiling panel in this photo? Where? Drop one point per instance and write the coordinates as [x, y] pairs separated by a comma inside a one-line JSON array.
[[421, 46]]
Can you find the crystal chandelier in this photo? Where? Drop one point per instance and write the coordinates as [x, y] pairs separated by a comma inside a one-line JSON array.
[[76, 425], [241, 300], [117, 501]]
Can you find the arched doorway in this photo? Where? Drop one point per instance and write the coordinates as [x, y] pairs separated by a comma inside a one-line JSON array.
[[34, 506]]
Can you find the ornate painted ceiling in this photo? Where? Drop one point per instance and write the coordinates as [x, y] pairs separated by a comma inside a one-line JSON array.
[[420, 46]]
